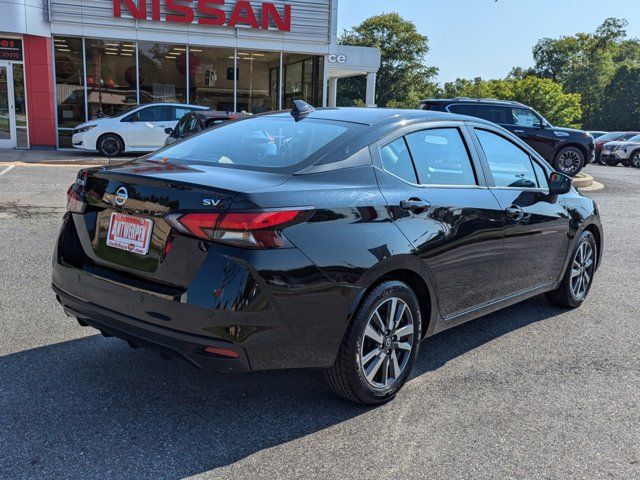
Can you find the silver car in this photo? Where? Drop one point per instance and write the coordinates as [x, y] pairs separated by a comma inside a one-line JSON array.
[[626, 152]]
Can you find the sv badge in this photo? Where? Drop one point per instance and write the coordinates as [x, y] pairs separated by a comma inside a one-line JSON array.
[[210, 202]]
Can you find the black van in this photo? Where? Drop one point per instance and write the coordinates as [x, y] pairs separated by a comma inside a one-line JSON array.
[[566, 149]]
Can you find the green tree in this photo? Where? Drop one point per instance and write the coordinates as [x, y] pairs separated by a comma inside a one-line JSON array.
[[586, 63], [403, 77], [621, 103]]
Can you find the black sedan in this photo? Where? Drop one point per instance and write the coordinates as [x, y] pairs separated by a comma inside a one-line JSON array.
[[329, 238]]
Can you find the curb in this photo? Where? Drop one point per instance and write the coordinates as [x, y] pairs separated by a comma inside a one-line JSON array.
[[582, 180]]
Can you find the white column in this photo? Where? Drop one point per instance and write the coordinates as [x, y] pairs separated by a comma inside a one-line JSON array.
[[370, 99], [333, 91]]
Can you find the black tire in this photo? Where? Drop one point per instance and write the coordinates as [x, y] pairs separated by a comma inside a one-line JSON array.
[[110, 145], [564, 295], [635, 159], [347, 376], [569, 160]]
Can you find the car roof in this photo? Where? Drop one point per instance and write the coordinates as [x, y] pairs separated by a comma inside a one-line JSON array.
[[487, 101], [372, 116]]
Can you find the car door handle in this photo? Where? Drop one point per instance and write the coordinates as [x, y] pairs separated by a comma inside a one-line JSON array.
[[415, 205], [514, 212], [518, 131]]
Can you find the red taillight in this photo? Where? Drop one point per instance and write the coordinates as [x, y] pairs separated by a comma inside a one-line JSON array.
[[223, 352], [76, 200], [201, 225], [243, 229]]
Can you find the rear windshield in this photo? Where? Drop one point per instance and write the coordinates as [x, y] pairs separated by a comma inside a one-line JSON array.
[[264, 142]]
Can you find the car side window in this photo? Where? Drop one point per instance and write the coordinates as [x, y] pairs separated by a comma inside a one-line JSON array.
[[181, 127], [158, 113], [523, 117], [440, 157], [397, 160], [510, 165], [193, 125], [180, 112], [495, 114], [461, 109], [541, 175]]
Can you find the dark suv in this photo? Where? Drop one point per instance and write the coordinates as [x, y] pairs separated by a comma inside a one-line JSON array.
[[566, 149]]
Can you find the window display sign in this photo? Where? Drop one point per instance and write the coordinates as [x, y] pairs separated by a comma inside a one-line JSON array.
[[11, 49]]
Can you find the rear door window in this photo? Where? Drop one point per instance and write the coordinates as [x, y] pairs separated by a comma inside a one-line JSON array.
[[495, 114], [396, 159], [510, 165], [441, 157]]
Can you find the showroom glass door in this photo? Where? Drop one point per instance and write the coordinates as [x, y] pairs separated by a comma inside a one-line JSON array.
[[7, 113]]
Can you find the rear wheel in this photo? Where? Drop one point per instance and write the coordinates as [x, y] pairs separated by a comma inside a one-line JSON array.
[[579, 275], [569, 161], [110, 145], [380, 346]]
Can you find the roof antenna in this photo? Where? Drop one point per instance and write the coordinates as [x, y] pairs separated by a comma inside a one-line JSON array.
[[301, 109]]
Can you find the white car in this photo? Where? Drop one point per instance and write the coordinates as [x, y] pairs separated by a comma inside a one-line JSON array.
[[143, 128]]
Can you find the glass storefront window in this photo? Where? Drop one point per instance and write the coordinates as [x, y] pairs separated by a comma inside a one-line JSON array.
[[302, 79], [22, 139], [258, 74], [211, 77], [163, 72], [111, 77], [69, 85]]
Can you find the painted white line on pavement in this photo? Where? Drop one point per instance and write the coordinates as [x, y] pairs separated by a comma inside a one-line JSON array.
[[7, 170]]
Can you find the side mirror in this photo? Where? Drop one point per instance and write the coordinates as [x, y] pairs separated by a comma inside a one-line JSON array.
[[559, 183], [134, 118], [168, 130]]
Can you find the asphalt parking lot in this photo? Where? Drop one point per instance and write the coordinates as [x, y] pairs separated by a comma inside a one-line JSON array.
[[529, 392]]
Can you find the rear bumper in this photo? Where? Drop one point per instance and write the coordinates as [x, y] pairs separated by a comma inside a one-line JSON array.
[[274, 308], [140, 334]]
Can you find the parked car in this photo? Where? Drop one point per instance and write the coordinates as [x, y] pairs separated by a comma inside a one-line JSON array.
[[199, 120], [596, 133], [626, 152], [333, 238], [142, 128], [566, 149], [611, 137]]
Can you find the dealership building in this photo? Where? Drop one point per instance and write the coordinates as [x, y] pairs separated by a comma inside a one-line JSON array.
[[63, 62]]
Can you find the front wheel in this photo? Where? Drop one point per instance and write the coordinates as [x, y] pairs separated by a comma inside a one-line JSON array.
[[577, 280], [110, 145], [380, 346], [569, 161], [635, 159]]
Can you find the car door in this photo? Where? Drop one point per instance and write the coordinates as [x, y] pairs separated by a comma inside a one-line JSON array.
[[147, 128], [536, 232], [437, 198]]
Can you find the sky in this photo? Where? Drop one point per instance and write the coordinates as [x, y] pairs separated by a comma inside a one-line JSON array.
[[486, 38]]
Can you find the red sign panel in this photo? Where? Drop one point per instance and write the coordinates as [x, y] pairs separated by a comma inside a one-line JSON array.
[[11, 49], [209, 13]]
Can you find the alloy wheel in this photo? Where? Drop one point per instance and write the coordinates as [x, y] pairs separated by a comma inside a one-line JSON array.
[[110, 145], [636, 159], [582, 270], [387, 343], [569, 162]]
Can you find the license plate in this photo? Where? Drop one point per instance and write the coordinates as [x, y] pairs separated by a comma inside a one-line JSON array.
[[606, 152], [129, 233]]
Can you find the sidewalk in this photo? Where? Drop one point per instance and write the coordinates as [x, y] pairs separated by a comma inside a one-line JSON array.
[[58, 157]]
